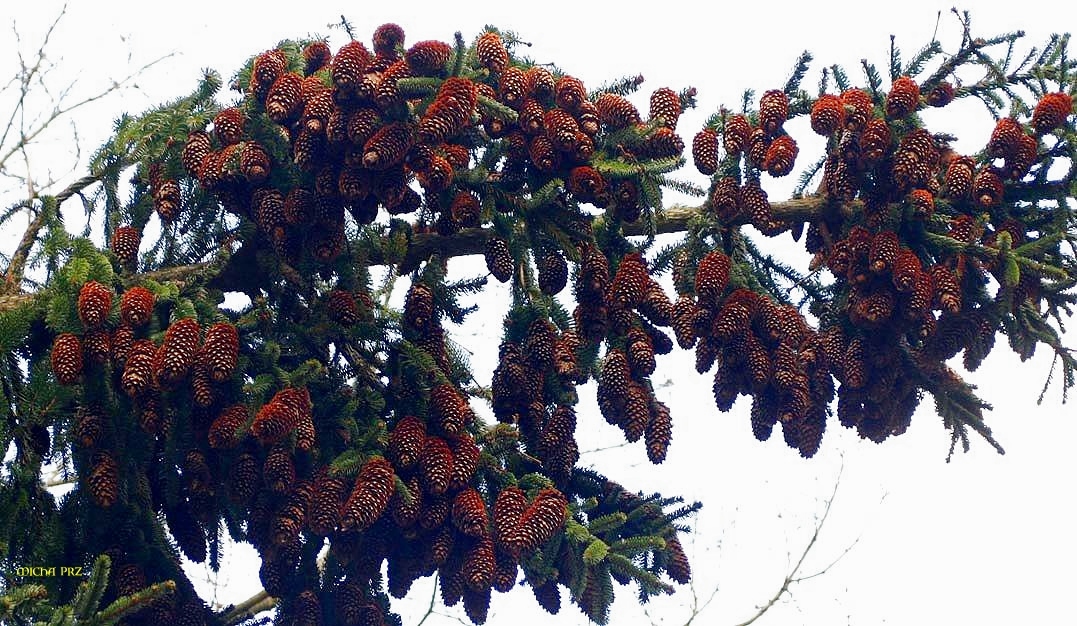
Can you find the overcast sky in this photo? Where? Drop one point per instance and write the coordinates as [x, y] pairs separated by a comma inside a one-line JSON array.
[[985, 539]]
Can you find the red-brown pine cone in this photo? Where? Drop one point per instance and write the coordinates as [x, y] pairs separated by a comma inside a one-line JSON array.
[[138, 368], [349, 65], [753, 201], [278, 417], [266, 69], [284, 102], [498, 259], [923, 203], [428, 58], [512, 87], [725, 198], [469, 513], [136, 306], [125, 243], [342, 307], [712, 276], [616, 112], [940, 95], [540, 83], [861, 105], [683, 321], [1004, 138], [89, 426], [884, 251], [705, 151], [292, 516], [987, 188], [947, 289], [201, 385], [66, 358], [1023, 157], [243, 478], [588, 185], [906, 270], [195, 150], [569, 93], [220, 351], [278, 471], [316, 55], [254, 163], [387, 39], [491, 53], [177, 353], [960, 175], [875, 140], [388, 146], [508, 508], [466, 210], [450, 112], [419, 311], [780, 156], [228, 126], [541, 520], [773, 111], [552, 272], [630, 282], [735, 136], [103, 480], [370, 496], [466, 455], [450, 409], [435, 465], [677, 565], [827, 115], [95, 301], [665, 104], [1051, 112], [662, 144], [904, 98], [658, 433], [324, 513], [226, 431]]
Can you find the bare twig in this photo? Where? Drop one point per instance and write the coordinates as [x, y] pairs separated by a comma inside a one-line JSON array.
[[792, 578]]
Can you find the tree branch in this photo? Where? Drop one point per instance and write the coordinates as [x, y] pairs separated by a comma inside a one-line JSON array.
[[250, 607]]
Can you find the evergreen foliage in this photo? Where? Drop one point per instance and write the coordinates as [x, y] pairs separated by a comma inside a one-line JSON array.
[[327, 183]]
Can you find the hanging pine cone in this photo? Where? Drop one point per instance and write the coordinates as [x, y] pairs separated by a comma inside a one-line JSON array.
[[228, 126], [569, 93], [861, 105], [278, 471], [136, 306], [466, 455], [96, 346], [104, 480], [959, 177], [66, 358], [498, 259], [781, 156], [875, 140], [120, 343], [243, 478], [435, 465], [541, 520], [220, 351], [369, 497], [552, 272], [137, 375], [177, 353], [904, 98], [449, 410], [665, 105], [940, 95], [125, 243], [428, 58], [95, 301], [827, 115], [1051, 112], [225, 431], [773, 111], [987, 188], [616, 112], [491, 53], [712, 275], [705, 151], [469, 513]]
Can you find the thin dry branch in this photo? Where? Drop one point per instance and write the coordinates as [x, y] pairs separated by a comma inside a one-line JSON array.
[[792, 578]]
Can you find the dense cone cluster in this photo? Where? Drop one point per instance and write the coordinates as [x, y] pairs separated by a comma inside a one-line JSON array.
[[319, 414]]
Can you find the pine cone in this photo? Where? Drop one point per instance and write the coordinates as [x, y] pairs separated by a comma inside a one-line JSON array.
[[904, 98], [498, 259], [220, 351], [469, 514], [827, 115], [103, 480], [94, 304], [369, 497], [225, 433], [66, 359], [1051, 112], [136, 306], [125, 243], [177, 353]]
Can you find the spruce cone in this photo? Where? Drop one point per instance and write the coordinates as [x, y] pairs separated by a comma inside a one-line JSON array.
[[220, 351], [136, 306], [225, 433], [125, 243], [369, 497], [95, 301], [66, 359], [104, 480], [498, 259]]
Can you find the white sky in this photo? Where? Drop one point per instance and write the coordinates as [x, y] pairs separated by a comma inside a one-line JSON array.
[[985, 539]]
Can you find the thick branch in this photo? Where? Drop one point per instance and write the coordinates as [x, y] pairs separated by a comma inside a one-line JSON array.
[[250, 607]]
